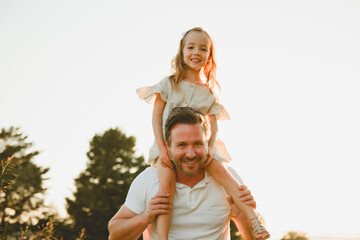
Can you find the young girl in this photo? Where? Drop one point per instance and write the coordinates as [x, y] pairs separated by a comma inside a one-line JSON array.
[[185, 88]]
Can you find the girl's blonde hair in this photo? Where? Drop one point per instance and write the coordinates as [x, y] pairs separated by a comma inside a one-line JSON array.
[[178, 65]]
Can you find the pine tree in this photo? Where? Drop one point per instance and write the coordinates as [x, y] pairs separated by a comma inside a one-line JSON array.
[[21, 195], [102, 187]]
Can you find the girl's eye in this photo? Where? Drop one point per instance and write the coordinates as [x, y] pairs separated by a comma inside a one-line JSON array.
[[204, 49], [190, 47]]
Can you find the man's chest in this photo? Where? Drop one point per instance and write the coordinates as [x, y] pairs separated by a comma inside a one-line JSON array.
[[199, 213], [204, 207]]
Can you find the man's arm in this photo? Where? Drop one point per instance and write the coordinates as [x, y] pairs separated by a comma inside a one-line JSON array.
[[242, 225], [127, 225], [238, 217]]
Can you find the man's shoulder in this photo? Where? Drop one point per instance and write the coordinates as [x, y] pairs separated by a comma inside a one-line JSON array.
[[141, 189], [148, 173]]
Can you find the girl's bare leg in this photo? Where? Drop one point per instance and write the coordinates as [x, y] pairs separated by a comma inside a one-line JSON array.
[[231, 186], [167, 183]]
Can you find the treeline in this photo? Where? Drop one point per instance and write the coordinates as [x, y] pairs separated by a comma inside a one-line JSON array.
[[100, 189]]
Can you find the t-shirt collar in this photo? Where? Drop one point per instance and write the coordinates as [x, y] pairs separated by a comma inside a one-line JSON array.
[[200, 184]]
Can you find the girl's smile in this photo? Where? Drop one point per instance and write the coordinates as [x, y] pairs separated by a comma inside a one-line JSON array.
[[196, 50]]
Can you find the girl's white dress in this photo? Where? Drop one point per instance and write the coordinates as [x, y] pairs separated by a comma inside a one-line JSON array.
[[188, 95]]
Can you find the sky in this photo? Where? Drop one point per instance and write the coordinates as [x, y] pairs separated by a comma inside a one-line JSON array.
[[289, 75]]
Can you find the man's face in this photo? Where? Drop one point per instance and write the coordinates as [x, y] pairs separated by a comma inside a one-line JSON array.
[[188, 148]]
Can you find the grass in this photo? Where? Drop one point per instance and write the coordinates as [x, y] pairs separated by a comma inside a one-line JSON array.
[[6, 175], [45, 232]]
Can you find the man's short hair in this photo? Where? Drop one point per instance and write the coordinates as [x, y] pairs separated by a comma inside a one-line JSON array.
[[185, 115]]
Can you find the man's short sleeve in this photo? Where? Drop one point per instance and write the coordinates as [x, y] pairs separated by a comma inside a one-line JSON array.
[[136, 197], [235, 174]]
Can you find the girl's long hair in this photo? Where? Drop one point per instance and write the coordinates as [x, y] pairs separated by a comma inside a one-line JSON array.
[[179, 67]]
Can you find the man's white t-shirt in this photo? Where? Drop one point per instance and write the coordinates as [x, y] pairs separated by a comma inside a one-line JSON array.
[[201, 212]]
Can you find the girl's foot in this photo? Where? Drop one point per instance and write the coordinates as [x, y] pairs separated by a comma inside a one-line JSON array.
[[257, 229]]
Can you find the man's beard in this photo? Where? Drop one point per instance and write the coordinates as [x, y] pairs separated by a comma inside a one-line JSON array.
[[178, 165]]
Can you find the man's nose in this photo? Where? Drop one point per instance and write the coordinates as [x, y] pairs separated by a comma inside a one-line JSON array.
[[190, 153]]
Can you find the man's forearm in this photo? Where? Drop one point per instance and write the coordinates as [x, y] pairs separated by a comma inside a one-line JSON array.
[[243, 226], [128, 229]]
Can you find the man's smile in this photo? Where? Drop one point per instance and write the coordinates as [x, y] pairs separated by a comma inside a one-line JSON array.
[[191, 161]]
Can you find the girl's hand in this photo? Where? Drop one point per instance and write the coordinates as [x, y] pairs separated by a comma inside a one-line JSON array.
[[165, 159], [209, 156]]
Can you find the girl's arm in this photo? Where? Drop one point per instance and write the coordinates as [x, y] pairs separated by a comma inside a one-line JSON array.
[[212, 141], [158, 110]]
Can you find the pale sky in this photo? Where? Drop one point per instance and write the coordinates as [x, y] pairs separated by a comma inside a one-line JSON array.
[[290, 78]]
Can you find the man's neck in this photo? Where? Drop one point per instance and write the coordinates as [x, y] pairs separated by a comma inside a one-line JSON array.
[[190, 181]]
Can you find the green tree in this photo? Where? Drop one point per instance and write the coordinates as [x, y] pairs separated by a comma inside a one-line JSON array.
[[294, 236], [6, 174], [21, 195], [102, 187], [234, 233]]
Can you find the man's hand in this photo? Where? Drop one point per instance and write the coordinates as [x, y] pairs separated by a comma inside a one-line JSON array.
[[159, 204], [238, 216], [245, 196]]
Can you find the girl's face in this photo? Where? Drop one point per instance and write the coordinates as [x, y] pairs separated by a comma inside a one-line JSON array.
[[196, 50]]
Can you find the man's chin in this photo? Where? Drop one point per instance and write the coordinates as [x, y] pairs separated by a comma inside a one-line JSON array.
[[192, 170], [190, 174]]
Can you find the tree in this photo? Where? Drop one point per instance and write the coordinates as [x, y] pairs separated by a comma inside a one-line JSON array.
[[234, 233], [102, 187], [6, 175], [21, 195], [295, 236]]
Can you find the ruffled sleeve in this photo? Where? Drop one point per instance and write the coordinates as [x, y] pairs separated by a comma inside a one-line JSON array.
[[148, 94], [219, 111]]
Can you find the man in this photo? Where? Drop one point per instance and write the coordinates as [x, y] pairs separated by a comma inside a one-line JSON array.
[[200, 209]]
